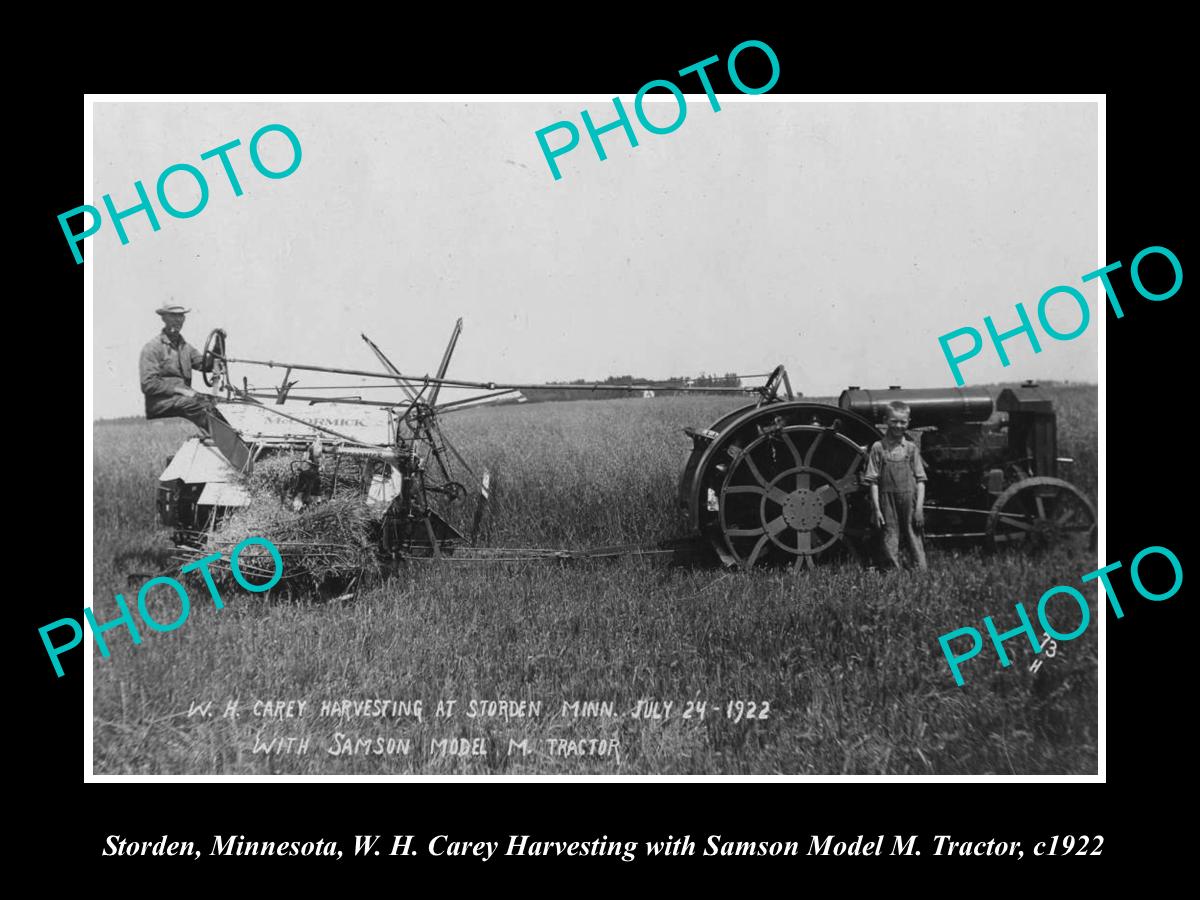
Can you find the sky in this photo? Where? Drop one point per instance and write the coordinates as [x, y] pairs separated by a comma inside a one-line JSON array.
[[840, 239]]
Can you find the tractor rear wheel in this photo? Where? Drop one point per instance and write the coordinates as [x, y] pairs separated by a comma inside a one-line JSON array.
[[780, 483]]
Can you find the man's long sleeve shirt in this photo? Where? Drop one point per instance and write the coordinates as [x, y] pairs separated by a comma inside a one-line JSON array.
[[164, 366]]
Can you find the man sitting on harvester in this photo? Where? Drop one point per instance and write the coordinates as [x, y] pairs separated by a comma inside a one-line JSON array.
[[166, 366]]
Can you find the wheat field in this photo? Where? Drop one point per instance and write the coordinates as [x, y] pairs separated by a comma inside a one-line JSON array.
[[835, 670]]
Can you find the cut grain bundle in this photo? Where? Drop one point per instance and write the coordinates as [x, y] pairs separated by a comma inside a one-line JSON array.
[[326, 543], [336, 538], [273, 476], [279, 475]]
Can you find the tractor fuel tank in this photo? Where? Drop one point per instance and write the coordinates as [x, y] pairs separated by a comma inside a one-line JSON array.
[[930, 406]]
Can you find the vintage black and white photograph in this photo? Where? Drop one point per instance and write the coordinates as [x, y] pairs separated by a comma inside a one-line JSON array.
[[451, 437]]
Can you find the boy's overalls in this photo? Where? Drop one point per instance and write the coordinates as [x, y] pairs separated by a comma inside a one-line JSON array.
[[897, 501]]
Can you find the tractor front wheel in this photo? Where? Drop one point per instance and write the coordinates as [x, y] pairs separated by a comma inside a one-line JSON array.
[[1042, 512]]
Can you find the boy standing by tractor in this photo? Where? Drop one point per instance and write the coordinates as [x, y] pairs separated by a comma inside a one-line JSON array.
[[896, 475]]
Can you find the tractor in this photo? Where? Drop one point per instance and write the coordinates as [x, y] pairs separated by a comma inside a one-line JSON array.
[[780, 481]]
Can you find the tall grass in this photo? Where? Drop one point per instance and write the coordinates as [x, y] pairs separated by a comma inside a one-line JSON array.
[[847, 659]]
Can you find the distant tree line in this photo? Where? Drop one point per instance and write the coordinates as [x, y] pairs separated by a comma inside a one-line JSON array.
[[660, 386]]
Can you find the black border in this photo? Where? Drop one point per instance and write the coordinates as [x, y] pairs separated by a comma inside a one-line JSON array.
[[1147, 392]]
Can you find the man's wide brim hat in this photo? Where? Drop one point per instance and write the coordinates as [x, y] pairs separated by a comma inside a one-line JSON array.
[[172, 310]]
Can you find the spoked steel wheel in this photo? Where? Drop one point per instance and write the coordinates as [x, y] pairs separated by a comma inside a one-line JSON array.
[[780, 484], [1042, 512]]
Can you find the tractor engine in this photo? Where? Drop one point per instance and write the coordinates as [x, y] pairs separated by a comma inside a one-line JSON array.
[[968, 455], [963, 454], [971, 455]]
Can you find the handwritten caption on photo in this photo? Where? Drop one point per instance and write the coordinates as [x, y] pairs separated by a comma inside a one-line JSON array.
[[600, 715]]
